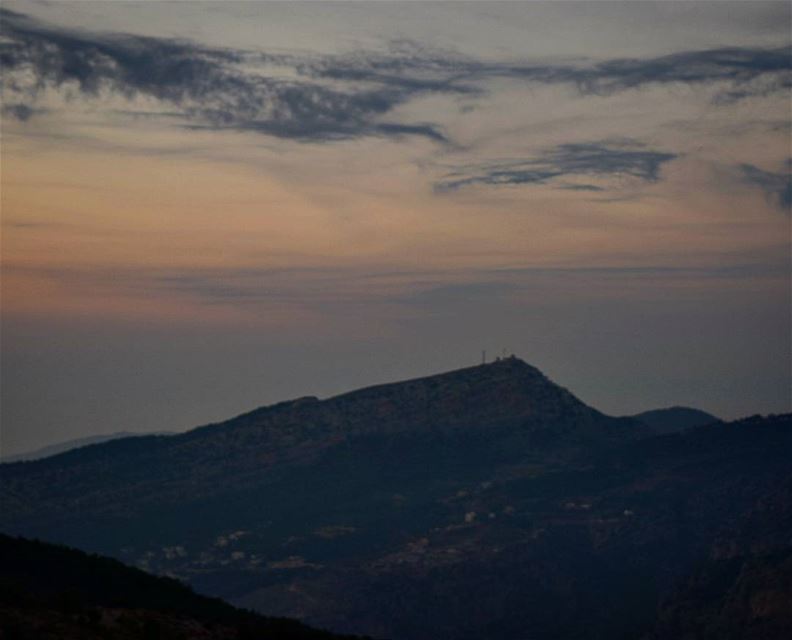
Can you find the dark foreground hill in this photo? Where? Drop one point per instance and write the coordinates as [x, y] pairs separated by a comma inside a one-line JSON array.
[[53, 592], [482, 503]]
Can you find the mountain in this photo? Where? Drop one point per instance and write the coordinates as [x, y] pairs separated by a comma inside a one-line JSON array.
[[492, 411], [62, 447], [478, 503], [50, 592], [660, 421]]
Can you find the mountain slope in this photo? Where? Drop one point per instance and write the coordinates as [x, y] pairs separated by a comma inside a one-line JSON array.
[[743, 591], [48, 591]]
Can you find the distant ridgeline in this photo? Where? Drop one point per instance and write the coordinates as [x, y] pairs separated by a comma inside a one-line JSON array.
[[62, 447], [661, 421], [473, 504]]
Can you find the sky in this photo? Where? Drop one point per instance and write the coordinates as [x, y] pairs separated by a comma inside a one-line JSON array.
[[212, 206]]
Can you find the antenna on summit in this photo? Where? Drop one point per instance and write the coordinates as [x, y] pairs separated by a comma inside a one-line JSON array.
[[484, 357]]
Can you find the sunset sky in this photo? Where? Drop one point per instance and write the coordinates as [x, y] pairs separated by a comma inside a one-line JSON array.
[[211, 206]]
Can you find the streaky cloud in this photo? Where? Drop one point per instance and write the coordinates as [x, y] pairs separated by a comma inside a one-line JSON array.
[[593, 159], [741, 68], [210, 86], [581, 187], [743, 72]]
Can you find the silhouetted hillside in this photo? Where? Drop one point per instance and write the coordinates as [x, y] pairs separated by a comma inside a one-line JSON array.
[[49, 591]]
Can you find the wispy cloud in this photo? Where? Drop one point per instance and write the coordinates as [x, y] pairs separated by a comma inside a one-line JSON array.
[[581, 187], [598, 159], [747, 71], [326, 98], [776, 185], [211, 87], [742, 72]]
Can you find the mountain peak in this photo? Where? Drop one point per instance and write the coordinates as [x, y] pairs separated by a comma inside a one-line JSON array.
[[497, 370], [507, 390]]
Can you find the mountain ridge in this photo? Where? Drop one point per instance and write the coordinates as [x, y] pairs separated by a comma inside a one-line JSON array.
[[504, 370]]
